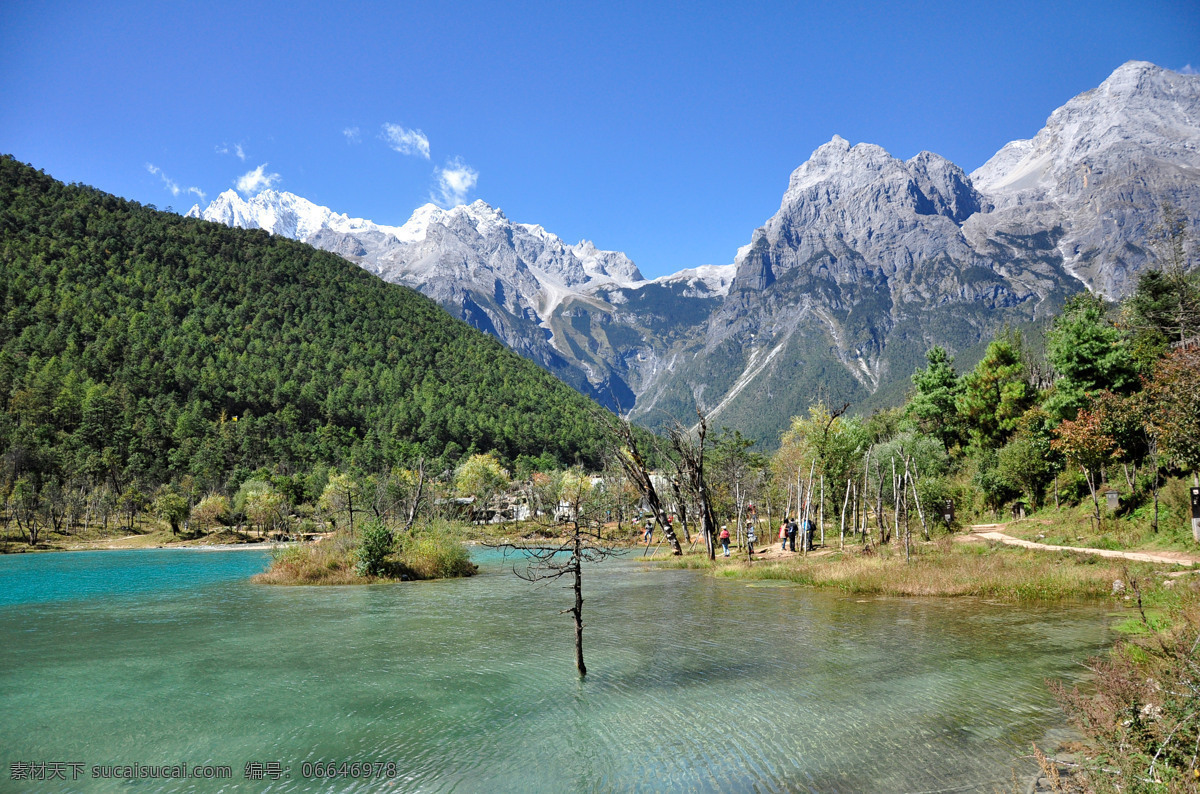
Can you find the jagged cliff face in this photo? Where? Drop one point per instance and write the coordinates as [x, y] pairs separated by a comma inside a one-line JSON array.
[[868, 263], [863, 268], [1099, 170]]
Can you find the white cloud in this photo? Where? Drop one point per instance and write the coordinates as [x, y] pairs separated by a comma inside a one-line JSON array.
[[171, 185], [406, 141], [237, 151], [255, 181], [353, 134], [455, 181], [1189, 69]]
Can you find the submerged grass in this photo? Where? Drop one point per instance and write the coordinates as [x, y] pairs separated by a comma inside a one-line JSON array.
[[943, 569]]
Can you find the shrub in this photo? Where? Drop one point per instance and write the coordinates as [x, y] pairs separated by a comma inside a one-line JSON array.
[[1175, 502], [934, 491], [331, 561], [1139, 715], [1072, 487], [375, 543], [995, 488]]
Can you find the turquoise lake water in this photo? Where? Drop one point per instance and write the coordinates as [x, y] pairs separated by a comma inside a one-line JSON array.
[[694, 684]]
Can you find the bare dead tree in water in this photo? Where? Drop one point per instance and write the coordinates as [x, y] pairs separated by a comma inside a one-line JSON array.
[[582, 508]]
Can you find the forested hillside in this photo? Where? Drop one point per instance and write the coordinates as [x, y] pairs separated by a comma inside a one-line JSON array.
[[137, 346]]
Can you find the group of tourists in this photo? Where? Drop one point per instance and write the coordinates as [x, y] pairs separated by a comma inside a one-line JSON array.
[[788, 530]]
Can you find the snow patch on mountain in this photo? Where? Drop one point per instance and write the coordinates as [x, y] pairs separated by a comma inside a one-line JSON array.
[[1140, 105], [705, 281], [284, 214]]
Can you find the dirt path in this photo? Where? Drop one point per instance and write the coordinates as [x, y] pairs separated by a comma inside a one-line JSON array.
[[987, 532]]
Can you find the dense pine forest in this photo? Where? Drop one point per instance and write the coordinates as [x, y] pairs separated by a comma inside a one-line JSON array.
[[139, 348]]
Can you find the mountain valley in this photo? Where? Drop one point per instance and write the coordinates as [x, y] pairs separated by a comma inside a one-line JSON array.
[[869, 262]]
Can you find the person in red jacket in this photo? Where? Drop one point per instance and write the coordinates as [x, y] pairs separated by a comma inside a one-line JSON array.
[[725, 539]]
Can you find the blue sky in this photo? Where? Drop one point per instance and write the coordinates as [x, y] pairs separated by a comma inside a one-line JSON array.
[[665, 130]]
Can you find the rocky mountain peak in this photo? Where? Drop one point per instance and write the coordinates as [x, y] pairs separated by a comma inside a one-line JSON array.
[[1140, 106], [868, 262], [834, 160], [946, 187], [1097, 173]]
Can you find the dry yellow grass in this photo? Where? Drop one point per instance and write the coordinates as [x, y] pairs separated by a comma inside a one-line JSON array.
[[432, 553], [943, 569], [330, 562]]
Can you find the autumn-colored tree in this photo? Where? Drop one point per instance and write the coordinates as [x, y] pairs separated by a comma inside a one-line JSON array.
[[266, 508], [480, 477], [1085, 444], [210, 511]]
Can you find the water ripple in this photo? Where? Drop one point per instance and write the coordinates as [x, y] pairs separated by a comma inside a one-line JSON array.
[[694, 684]]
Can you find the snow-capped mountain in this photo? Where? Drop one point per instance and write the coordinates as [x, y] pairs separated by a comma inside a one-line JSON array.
[[284, 214], [869, 261], [390, 250], [509, 279]]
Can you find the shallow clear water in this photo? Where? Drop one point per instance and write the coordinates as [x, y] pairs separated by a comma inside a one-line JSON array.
[[167, 657]]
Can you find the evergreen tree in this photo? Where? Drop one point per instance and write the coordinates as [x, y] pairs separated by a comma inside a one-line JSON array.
[[1166, 303], [1089, 355], [996, 393], [932, 406]]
